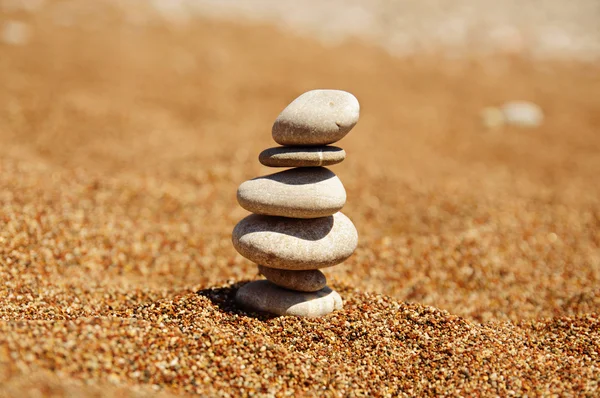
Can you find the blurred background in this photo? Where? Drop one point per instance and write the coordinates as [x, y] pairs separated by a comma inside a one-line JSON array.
[[472, 177], [541, 28]]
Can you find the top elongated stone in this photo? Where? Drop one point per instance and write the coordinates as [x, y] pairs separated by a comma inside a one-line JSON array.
[[317, 117]]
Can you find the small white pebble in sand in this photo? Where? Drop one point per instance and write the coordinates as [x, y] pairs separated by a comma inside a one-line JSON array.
[[15, 33], [522, 113]]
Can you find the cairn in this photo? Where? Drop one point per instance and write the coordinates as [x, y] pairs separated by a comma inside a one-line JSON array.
[[297, 227]]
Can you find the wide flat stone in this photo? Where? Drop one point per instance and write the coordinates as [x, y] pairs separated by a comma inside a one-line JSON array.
[[302, 156], [304, 281], [317, 117], [265, 296], [295, 244], [299, 193]]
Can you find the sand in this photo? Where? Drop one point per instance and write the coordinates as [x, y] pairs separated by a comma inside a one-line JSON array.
[[478, 266]]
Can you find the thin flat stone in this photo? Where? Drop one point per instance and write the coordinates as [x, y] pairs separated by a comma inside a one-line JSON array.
[[295, 244], [302, 156], [317, 117], [304, 281], [299, 193], [265, 296]]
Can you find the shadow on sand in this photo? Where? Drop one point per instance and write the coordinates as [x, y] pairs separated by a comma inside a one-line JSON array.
[[224, 298]]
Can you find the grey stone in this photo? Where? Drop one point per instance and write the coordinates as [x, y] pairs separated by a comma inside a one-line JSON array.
[[15, 33], [265, 296], [298, 156], [522, 113], [317, 117], [304, 281], [306, 192], [295, 244]]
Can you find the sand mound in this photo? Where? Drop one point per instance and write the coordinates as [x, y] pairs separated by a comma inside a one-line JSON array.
[[199, 341]]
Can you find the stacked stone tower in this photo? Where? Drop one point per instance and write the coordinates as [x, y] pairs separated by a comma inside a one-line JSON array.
[[297, 227]]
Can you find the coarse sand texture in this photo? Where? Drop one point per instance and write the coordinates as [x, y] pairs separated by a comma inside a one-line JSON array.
[[297, 227], [472, 180]]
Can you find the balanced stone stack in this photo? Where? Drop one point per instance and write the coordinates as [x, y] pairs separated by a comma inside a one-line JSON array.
[[297, 227]]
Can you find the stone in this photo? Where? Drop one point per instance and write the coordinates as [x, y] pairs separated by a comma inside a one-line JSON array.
[[265, 296], [317, 117], [298, 156], [15, 33], [295, 244], [522, 113], [304, 281], [298, 193]]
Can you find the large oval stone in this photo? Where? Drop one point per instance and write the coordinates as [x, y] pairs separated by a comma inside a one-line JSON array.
[[304, 281], [295, 244], [317, 117], [302, 156], [265, 296], [298, 193]]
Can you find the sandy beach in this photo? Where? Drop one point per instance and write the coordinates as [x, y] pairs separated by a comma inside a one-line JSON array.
[[121, 148]]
